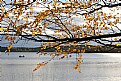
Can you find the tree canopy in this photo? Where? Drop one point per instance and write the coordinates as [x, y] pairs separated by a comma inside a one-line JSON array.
[[59, 23]]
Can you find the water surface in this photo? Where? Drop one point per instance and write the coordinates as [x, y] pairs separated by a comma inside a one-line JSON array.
[[95, 67]]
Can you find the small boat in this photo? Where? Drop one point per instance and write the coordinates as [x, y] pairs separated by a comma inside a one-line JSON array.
[[21, 56]]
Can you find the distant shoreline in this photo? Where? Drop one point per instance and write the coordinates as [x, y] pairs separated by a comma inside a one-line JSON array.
[[92, 49]]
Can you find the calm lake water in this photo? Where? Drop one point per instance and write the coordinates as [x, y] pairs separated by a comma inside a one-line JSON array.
[[95, 67]]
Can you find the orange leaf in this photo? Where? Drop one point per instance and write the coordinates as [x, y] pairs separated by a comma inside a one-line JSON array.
[[2, 9], [115, 39]]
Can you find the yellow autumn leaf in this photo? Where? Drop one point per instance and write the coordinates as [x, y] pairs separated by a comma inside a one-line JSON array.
[[61, 51], [20, 0], [74, 50], [46, 24], [41, 64], [117, 44], [90, 18], [95, 23], [28, 1], [44, 47], [15, 2], [117, 20], [83, 34], [56, 20], [111, 24], [32, 9], [84, 5], [93, 31], [98, 15], [88, 46], [54, 1], [33, 33], [104, 25], [26, 18], [36, 32], [52, 55], [37, 3], [115, 39], [6, 15], [0, 18], [2, 9], [80, 56], [76, 66], [8, 50], [76, 4], [38, 66], [78, 51], [15, 10], [9, 47], [79, 70], [69, 49], [104, 15], [1, 29], [65, 53], [58, 47], [110, 16], [83, 51]]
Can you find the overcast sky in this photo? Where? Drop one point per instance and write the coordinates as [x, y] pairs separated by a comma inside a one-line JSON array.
[[28, 43]]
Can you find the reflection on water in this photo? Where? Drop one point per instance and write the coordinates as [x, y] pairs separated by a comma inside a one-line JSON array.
[[96, 67]]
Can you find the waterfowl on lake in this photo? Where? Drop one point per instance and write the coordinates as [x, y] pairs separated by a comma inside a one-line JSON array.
[[21, 56]]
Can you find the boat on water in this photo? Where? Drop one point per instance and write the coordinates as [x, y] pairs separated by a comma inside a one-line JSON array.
[[21, 56]]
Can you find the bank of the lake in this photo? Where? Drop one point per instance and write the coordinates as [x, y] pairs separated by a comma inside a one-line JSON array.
[[88, 49]]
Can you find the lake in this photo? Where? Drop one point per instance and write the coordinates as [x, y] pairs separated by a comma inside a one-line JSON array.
[[95, 67]]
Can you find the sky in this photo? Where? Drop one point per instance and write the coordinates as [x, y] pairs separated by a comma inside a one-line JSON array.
[[23, 43], [29, 43]]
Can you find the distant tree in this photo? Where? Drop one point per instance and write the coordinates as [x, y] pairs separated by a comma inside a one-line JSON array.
[[59, 23]]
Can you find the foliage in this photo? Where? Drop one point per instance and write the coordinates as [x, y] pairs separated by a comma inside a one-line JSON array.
[[57, 23]]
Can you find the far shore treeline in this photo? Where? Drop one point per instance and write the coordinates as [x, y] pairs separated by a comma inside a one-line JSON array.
[[88, 49]]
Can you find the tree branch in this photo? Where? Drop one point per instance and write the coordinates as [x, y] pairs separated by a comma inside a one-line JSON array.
[[76, 39]]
